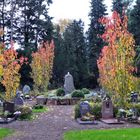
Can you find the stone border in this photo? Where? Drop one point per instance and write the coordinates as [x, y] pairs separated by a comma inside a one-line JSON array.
[[73, 101]]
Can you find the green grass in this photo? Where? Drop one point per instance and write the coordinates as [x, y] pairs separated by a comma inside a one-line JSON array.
[[111, 134], [44, 109], [5, 132]]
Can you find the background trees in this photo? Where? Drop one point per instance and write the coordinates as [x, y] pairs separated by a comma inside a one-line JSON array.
[[71, 53], [134, 26], [134, 21], [28, 22], [75, 51]]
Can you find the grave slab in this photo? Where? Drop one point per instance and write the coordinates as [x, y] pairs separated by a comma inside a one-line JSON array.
[[112, 121], [86, 122], [8, 120]]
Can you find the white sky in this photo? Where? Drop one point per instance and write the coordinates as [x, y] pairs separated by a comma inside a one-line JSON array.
[[72, 9]]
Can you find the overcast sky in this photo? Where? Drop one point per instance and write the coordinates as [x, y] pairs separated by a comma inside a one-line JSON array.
[[72, 9]]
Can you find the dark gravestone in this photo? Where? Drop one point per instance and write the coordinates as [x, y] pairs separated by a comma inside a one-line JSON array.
[[18, 99], [134, 97], [84, 108], [107, 109], [9, 106], [41, 100], [134, 111], [107, 112]]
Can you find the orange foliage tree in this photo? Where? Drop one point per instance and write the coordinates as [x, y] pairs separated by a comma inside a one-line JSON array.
[[9, 68], [116, 60], [11, 77], [42, 64]]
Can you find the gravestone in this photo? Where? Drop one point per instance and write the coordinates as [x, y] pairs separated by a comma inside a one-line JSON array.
[[107, 109], [134, 111], [26, 89], [84, 108], [134, 97], [86, 117], [107, 112], [41, 100], [18, 99], [68, 84], [9, 106]]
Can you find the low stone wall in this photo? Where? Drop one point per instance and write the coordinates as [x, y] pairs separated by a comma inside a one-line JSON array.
[[73, 101], [52, 101]]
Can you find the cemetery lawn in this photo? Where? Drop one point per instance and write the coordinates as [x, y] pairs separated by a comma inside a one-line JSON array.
[[5, 132], [110, 134], [44, 109]]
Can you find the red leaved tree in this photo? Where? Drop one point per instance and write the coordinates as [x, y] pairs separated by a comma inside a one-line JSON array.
[[116, 60]]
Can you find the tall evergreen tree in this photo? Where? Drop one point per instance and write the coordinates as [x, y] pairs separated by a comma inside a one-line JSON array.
[[7, 16], [95, 43], [75, 52], [120, 5], [33, 26], [2, 16], [134, 28], [134, 22], [59, 59]]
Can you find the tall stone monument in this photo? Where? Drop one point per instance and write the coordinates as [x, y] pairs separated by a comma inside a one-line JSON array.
[[107, 108], [68, 84]]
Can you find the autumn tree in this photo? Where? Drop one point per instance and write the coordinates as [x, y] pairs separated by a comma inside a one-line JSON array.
[[42, 63], [116, 60], [11, 76], [9, 68]]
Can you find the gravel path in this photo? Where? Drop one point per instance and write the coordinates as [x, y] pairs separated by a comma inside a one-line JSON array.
[[52, 125]]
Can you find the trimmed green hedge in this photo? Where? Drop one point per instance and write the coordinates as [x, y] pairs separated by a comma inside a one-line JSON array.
[[77, 94]]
